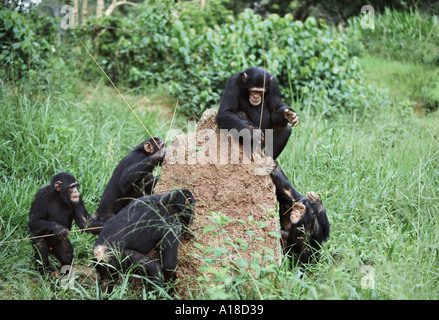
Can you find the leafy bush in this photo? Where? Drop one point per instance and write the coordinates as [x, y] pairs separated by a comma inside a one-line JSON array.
[[26, 42], [310, 61], [407, 36]]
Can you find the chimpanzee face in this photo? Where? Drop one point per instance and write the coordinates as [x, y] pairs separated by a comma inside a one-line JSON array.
[[74, 193], [310, 205], [67, 186], [257, 81], [298, 210], [256, 96]]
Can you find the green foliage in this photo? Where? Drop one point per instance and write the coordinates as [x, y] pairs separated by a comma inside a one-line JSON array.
[[26, 42], [310, 62], [338, 11], [377, 174], [214, 13], [415, 83], [407, 36]]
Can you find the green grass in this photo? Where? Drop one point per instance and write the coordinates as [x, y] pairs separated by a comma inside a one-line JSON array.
[[400, 35], [378, 176], [379, 179], [409, 83]]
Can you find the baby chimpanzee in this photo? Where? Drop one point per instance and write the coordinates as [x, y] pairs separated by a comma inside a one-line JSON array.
[[303, 220], [132, 178], [51, 213]]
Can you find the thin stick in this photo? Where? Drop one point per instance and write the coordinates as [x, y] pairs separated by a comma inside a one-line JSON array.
[[48, 235], [263, 92], [167, 136], [172, 121], [132, 110]]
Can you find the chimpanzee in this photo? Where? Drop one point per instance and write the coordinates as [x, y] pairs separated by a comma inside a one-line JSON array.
[[147, 223], [132, 178], [251, 100], [303, 220], [51, 213]]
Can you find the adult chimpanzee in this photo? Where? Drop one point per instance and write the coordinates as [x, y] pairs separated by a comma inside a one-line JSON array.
[[251, 100], [147, 223], [132, 178], [303, 220], [51, 213]]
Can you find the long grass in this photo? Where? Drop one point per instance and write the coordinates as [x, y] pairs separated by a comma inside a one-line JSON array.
[[377, 174]]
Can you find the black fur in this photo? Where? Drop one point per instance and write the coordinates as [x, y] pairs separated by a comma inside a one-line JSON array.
[[150, 222], [236, 112], [303, 238], [132, 178], [52, 212]]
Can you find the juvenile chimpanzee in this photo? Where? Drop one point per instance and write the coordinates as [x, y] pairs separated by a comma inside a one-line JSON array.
[[51, 213], [251, 100], [132, 178], [303, 220], [147, 223]]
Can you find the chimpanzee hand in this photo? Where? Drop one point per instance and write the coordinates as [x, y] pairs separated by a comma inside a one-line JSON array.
[[159, 155], [291, 116], [62, 232]]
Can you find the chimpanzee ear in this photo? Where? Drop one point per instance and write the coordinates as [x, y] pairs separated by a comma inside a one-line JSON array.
[[244, 77], [58, 185], [148, 147], [271, 79]]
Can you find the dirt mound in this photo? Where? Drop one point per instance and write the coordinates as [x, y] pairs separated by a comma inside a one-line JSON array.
[[235, 220]]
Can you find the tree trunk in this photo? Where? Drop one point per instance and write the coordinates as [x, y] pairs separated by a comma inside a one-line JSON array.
[[100, 7], [75, 13], [84, 12], [115, 3]]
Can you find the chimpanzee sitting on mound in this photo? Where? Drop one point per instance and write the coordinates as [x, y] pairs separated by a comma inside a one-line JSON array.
[[51, 213], [150, 222], [132, 178], [303, 220], [251, 100]]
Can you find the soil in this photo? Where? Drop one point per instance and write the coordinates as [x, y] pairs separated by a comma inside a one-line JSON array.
[[235, 213]]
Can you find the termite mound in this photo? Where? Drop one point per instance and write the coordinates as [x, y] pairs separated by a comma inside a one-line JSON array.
[[235, 214]]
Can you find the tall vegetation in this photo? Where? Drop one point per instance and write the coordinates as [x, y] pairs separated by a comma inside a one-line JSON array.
[[156, 45], [374, 163]]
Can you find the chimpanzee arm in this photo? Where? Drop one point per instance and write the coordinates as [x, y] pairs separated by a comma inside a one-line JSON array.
[[285, 192], [278, 109], [81, 215], [322, 225], [227, 114], [38, 223], [169, 255], [133, 174]]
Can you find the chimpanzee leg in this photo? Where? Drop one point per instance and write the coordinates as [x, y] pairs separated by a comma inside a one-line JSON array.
[[280, 139], [41, 249], [63, 251], [107, 275], [169, 260], [151, 267]]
